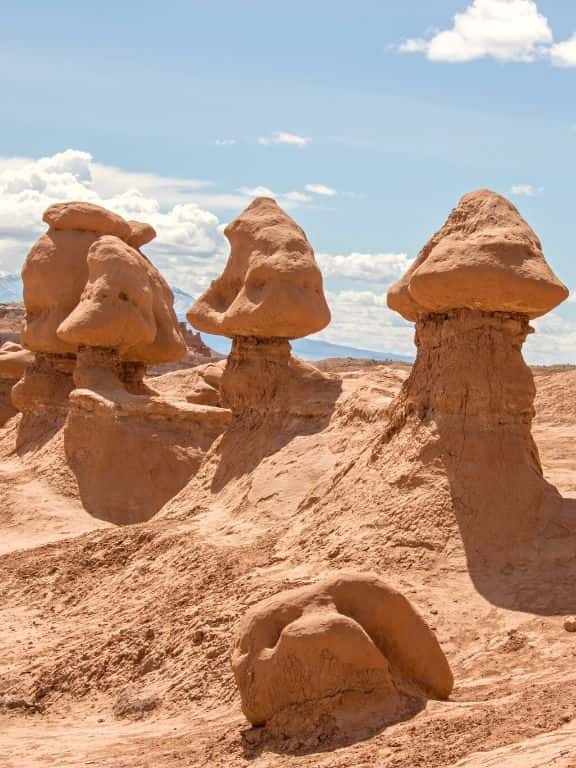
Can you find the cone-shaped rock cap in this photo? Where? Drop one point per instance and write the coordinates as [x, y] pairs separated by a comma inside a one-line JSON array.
[[86, 217], [485, 257], [271, 285]]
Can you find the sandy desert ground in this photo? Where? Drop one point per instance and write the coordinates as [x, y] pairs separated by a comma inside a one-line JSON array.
[[115, 639]]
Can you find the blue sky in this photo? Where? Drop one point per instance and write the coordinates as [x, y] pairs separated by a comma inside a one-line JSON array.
[[197, 92]]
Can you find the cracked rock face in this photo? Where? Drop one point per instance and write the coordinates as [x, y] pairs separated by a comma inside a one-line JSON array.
[[335, 644], [271, 285]]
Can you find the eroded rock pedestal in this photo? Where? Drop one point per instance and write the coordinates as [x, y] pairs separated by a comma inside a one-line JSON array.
[[468, 404], [270, 292], [262, 376]]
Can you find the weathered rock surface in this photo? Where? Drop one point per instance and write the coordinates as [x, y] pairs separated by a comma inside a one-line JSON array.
[[14, 360], [115, 308], [54, 275], [262, 376], [86, 217], [45, 385], [333, 643], [271, 285], [485, 257]]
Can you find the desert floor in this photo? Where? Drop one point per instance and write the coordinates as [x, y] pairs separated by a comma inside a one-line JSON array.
[[114, 640]]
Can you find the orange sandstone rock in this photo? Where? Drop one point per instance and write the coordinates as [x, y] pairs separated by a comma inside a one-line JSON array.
[[140, 233], [350, 634], [115, 308], [86, 217], [271, 285], [485, 257]]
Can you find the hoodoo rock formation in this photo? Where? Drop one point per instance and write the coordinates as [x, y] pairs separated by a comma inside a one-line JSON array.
[[333, 652], [97, 313], [469, 400], [89, 291], [270, 292]]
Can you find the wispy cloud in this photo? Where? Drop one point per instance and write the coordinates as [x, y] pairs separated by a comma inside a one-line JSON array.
[[506, 30], [525, 190], [284, 137], [225, 142], [320, 189], [297, 197], [258, 191]]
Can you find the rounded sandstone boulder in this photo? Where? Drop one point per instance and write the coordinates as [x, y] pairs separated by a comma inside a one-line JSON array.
[[115, 308], [346, 635]]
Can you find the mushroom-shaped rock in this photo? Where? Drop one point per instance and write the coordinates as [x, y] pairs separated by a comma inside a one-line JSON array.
[[271, 285], [270, 292], [485, 257], [348, 636], [86, 217], [113, 326]]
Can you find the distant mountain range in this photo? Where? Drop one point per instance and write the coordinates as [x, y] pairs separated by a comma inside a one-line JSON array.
[[308, 349], [10, 288]]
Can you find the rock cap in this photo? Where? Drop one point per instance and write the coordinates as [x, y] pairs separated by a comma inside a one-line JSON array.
[[485, 257], [271, 286], [140, 233], [86, 217]]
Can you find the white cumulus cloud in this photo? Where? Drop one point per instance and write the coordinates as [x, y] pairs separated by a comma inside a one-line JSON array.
[[284, 137], [382, 268], [188, 235], [507, 30], [564, 54]]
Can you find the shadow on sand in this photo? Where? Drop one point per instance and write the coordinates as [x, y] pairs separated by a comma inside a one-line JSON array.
[[254, 435]]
